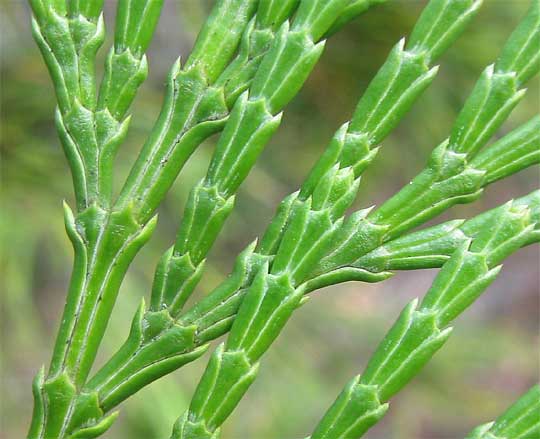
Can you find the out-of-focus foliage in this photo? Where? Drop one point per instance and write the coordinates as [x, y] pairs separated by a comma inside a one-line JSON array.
[[337, 331]]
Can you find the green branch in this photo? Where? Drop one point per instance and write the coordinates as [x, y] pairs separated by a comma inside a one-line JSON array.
[[249, 60], [421, 330]]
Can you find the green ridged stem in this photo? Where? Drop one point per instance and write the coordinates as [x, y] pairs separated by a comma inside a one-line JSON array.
[[255, 43], [213, 316], [496, 93], [515, 151], [69, 44], [307, 234], [198, 99], [215, 321], [212, 200], [181, 267], [391, 102], [112, 381], [447, 180], [105, 241], [346, 157], [450, 176], [512, 153], [126, 65], [433, 246], [91, 324], [90, 128], [520, 421], [115, 381], [200, 96], [308, 245], [282, 70], [110, 236], [194, 108], [421, 330]]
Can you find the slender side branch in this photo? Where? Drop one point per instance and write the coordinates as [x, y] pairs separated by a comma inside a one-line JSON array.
[[421, 330]]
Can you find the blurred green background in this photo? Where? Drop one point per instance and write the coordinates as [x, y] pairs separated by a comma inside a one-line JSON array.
[[493, 355]]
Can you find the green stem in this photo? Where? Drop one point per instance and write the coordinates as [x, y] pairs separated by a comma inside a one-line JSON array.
[[421, 330], [351, 149]]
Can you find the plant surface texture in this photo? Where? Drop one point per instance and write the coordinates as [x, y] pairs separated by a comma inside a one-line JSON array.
[[385, 153]]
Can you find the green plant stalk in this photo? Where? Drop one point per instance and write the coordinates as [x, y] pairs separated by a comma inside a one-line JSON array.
[[277, 290], [69, 39], [201, 95], [420, 331], [156, 322], [213, 316], [430, 247], [453, 169], [454, 173], [112, 235], [287, 57], [208, 320], [91, 128], [105, 240], [129, 214], [194, 108], [139, 362], [283, 69], [446, 239], [213, 199], [312, 221], [520, 421], [254, 118], [119, 233]]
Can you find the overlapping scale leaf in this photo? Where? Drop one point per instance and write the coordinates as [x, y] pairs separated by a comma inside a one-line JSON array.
[[449, 178], [174, 343], [521, 54], [389, 96], [220, 35], [194, 107], [228, 375], [272, 13], [497, 92], [440, 24], [446, 180], [351, 152]]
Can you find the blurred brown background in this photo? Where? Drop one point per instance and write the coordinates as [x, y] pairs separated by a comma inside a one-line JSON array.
[[493, 355]]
